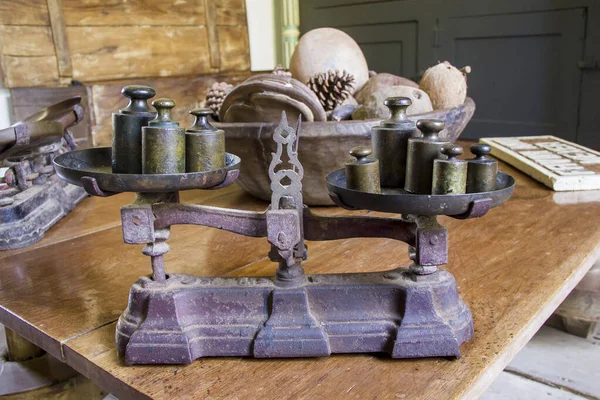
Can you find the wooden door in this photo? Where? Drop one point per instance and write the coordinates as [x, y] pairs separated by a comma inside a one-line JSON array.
[[525, 78]]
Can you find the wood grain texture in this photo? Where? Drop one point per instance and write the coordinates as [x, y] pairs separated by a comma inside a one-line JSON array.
[[137, 51], [31, 60], [24, 12], [188, 93], [93, 41], [234, 47], [230, 12], [134, 12], [213, 35], [513, 267], [29, 71], [59, 35], [33, 41]]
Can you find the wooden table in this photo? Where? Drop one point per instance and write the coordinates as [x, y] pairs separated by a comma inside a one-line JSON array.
[[513, 268]]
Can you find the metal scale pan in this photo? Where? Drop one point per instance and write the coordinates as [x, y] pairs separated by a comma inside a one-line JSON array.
[[399, 201], [95, 164]]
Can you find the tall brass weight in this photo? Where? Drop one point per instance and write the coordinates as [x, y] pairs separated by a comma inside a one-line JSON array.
[[389, 141], [163, 142], [127, 129], [205, 144], [421, 153]]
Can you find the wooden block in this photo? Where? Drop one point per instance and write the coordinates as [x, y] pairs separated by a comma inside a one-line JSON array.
[[30, 71], [230, 12], [553, 356], [118, 52], [24, 12], [133, 12], [33, 41], [59, 35], [188, 93], [234, 48], [29, 61]]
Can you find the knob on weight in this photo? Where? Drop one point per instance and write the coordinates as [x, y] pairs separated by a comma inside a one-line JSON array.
[[201, 123], [480, 150], [163, 108], [431, 128], [361, 153], [397, 107], [452, 151], [138, 96]]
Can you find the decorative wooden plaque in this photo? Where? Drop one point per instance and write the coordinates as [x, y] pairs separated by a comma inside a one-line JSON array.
[[557, 163]]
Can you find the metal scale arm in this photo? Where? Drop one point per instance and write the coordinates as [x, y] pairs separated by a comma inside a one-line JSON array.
[[286, 224]]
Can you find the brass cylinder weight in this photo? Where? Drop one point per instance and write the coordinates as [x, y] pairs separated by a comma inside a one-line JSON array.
[[163, 142], [389, 141], [127, 129], [482, 170], [204, 144], [362, 173], [450, 175], [421, 153]]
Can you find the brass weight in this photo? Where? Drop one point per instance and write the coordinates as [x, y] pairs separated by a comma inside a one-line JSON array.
[[163, 142], [482, 170], [389, 141], [421, 153], [450, 175], [127, 129], [362, 173], [204, 144]]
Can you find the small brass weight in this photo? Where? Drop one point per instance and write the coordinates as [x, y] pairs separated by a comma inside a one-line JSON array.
[[363, 173], [450, 175], [408, 311]]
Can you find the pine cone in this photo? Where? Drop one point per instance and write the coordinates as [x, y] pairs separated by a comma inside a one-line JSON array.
[[215, 96], [332, 87], [279, 70]]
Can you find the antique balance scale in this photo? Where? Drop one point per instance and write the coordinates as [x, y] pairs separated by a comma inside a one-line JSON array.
[[174, 319]]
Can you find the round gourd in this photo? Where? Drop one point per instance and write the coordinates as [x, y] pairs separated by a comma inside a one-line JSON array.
[[445, 84], [325, 49]]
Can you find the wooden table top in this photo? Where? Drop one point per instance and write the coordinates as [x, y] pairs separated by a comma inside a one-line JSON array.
[[513, 268]]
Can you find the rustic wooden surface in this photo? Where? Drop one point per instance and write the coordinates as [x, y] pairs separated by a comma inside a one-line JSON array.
[[513, 267], [50, 42]]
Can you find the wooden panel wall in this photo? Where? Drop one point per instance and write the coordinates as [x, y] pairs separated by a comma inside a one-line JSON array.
[[51, 42]]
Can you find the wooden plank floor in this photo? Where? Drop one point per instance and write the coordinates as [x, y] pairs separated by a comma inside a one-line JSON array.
[[513, 268], [554, 364]]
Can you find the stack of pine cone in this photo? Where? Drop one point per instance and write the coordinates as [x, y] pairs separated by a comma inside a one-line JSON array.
[[332, 87]]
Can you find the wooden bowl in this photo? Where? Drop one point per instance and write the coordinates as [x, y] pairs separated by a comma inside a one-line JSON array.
[[323, 148]]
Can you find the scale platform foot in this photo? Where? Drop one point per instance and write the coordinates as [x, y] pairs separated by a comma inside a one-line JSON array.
[[190, 317]]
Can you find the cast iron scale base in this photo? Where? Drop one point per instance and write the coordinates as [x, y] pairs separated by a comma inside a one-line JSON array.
[[174, 319]]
